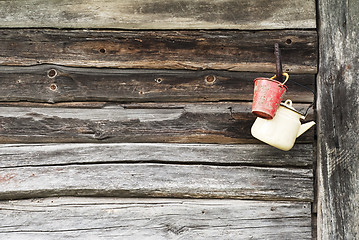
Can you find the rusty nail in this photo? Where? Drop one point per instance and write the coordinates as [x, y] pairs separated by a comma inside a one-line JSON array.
[[210, 79], [279, 71], [158, 80], [53, 87]]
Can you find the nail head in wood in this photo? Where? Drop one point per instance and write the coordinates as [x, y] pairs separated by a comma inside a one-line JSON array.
[[158, 80], [52, 73], [53, 87], [210, 79]]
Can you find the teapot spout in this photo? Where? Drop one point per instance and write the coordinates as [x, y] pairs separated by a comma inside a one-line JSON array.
[[304, 127]]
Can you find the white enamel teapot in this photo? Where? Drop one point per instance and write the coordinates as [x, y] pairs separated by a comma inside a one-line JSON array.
[[281, 131]]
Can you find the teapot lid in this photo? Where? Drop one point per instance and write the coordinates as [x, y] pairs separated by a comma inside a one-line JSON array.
[[288, 104]]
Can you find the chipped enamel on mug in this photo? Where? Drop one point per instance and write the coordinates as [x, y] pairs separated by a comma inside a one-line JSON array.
[[267, 96], [281, 131]]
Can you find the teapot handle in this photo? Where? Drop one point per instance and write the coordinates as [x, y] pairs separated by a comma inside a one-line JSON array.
[[288, 102]]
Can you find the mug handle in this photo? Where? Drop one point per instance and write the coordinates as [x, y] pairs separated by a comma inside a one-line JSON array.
[[286, 78]]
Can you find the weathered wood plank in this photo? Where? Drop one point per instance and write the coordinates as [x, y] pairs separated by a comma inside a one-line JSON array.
[[114, 218], [60, 84], [338, 117], [13, 155], [221, 50], [159, 14], [153, 122], [157, 180]]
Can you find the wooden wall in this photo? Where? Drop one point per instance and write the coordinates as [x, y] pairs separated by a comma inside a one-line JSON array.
[[132, 119]]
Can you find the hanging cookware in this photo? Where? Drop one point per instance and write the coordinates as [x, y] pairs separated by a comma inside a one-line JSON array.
[[268, 93], [281, 131]]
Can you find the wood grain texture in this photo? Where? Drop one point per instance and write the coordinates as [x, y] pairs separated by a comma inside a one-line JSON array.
[[159, 14], [227, 122], [338, 117], [116, 218], [51, 83], [194, 50], [22, 155], [157, 180]]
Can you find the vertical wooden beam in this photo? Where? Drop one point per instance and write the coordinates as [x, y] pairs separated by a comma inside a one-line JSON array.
[[338, 120]]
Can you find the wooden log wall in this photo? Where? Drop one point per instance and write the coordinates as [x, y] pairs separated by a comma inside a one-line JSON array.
[[132, 119]]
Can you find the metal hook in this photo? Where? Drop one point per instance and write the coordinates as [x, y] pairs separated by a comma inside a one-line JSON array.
[[278, 65]]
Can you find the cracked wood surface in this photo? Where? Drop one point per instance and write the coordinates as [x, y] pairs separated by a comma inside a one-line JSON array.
[[156, 170], [227, 122], [52, 83], [260, 155], [157, 180], [159, 14], [338, 120], [71, 73], [118, 218], [194, 50]]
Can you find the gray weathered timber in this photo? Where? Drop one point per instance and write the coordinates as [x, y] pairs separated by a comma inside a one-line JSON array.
[[338, 117], [159, 14], [20, 155], [157, 180], [116, 218], [227, 122], [51, 83], [194, 50]]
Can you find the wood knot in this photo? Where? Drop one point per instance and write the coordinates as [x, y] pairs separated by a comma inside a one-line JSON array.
[[175, 229]]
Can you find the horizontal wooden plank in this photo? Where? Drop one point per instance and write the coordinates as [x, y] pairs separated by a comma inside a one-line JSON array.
[[51, 83], [114, 218], [227, 122], [157, 180], [14, 155], [159, 14], [195, 50]]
